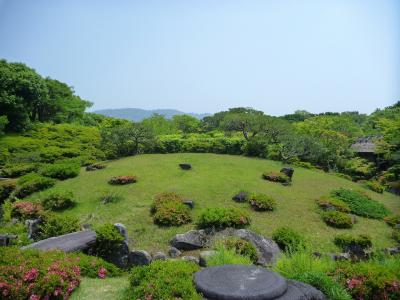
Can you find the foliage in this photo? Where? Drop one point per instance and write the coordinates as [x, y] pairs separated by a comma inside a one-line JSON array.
[[372, 279], [222, 218], [171, 279], [6, 188], [18, 229], [91, 266], [108, 239], [171, 213], [96, 166], [26, 210], [375, 186], [31, 183], [228, 256], [55, 225], [3, 124], [333, 203], [337, 219], [392, 220], [288, 239], [361, 204], [110, 196], [347, 241], [276, 177], [396, 235], [185, 123], [31, 274], [241, 247], [63, 170], [359, 168], [120, 180], [58, 200], [17, 170], [262, 202], [304, 266]]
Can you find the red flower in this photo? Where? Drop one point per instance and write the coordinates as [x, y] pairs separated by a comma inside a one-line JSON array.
[[31, 275], [102, 273]]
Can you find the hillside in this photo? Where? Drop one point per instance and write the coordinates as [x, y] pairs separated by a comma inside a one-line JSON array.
[[138, 114], [212, 183]]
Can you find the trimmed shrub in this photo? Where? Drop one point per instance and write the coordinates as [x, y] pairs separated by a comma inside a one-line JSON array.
[[26, 210], [93, 267], [225, 256], [223, 217], [17, 170], [31, 274], [55, 225], [333, 204], [392, 220], [111, 197], [159, 199], [262, 202], [120, 180], [170, 279], [94, 167], [360, 204], [288, 239], [348, 242], [108, 239], [276, 177], [374, 186], [58, 200], [30, 183], [60, 170], [337, 219], [303, 164], [6, 188], [241, 247], [172, 213]]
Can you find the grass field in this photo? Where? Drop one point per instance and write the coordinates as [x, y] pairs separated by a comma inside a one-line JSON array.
[[212, 183], [101, 289]]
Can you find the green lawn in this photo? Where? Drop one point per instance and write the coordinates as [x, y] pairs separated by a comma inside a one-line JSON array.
[[212, 183], [101, 289]]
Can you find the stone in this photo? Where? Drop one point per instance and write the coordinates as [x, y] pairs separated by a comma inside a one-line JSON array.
[[120, 256], [122, 230], [189, 203], [300, 291], [191, 240], [173, 252], [191, 259], [397, 226], [239, 282], [204, 256], [288, 172], [340, 256], [268, 250], [185, 166], [5, 239], [353, 218], [76, 241], [159, 256], [33, 228], [240, 197], [393, 251], [139, 258]]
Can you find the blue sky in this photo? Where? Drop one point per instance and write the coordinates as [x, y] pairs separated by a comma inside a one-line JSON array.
[[208, 55]]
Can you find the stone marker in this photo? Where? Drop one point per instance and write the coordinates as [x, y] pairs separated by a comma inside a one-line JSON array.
[[185, 166], [191, 240], [288, 172], [139, 258], [76, 241], [239, 282]]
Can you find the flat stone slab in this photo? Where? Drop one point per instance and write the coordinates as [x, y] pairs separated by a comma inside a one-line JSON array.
[[76, 241], [239, 282]]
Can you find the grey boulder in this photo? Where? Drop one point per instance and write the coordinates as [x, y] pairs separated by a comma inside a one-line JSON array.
[[190, 258], [173, 252], [139, 258], [159, 256], [204, 256], [191, 240], [301, 291]]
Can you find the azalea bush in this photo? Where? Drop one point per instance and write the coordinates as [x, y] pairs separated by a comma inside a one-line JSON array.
[[6, 188], [120, 180], [108, 239], [168, 210], [61, 170], [288, 239], [337, 219], [276, 177], [58, 200], [26, 210], [220, 217], [55, 225], [17, 170], [327, 203], [241, 247], [30, 183], [262, 202], [374, 186]]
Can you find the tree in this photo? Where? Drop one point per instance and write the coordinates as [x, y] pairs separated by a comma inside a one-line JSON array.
[[245, 120], [185, 123], [160, 124], [3, 123]]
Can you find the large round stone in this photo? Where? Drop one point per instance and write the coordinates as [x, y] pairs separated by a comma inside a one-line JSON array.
[[239, 282]]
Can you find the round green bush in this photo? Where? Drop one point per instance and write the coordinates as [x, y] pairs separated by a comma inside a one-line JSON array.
[[219, 218], [6, 188], [332, 203], [55, 225], [170, 279], [337, 219], [60, 170], [26, 210], [30, 183], [172, 213], [159, 199], [347, 241], [108, 239], [374, 186], [242, 247], [392, 220], [262, 202], [276, 177], [288, 239], [58, 200], [17, 170], [121, 180]]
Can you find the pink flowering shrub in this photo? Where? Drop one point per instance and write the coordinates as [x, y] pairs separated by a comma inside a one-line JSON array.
[[102, 273], [122, 180], [26, 210]]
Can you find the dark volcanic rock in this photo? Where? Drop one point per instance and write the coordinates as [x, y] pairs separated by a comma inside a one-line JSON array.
[[159, 256], [288, 172], [33, 228], [139, 258], [238, 282], [76, 241], [122, 230], [301, 291], [5, 239], [189, 203], [240, 197], [173, 252], [190, 258], [120, 256], [185, 166], [191, 240]]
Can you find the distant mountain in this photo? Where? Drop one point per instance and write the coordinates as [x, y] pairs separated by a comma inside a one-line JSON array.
[[138, 114]]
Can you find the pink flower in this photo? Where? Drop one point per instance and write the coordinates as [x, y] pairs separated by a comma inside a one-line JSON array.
[[57, 291], [34, 297], [102, 273], [353, 283], [31, 275]]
